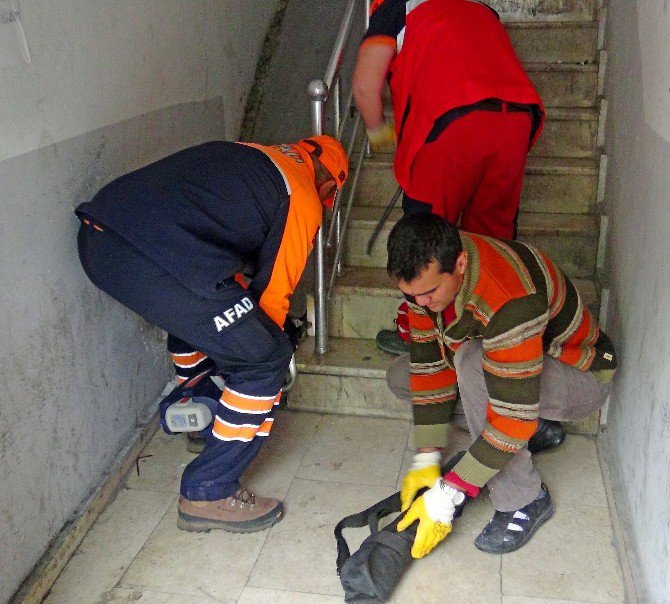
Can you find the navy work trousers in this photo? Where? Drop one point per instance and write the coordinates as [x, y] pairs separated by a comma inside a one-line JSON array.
[[250, 351]]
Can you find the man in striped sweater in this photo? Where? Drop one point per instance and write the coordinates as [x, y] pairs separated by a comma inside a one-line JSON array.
[[496, 323]]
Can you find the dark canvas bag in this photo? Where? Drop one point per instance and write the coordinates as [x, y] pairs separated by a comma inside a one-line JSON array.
[[372, 572]]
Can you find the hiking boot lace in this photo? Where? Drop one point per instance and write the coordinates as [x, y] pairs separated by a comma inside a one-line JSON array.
[[243, 497]]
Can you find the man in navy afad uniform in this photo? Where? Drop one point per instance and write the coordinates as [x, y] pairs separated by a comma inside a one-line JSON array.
[[170, 241]]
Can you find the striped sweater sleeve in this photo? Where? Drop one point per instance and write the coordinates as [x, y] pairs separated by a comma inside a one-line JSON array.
[[512, 363], [432, 381]]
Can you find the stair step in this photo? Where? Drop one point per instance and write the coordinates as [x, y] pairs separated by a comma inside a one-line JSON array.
[[558, 84], [561, 185], [569, 239], [350, 379], [545, 10], [555, 42], [565, 85], [568, 132], [360, 311]]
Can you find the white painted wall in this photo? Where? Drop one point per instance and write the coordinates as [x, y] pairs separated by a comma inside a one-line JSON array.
[[99, 63], [637, 439], [113, 84]]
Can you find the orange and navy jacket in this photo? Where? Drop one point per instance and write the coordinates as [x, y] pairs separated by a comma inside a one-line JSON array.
[[207, 212], [522, 307], [448, 54]]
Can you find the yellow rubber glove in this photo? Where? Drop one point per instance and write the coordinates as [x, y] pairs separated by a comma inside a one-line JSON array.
[[434, 510], [382, 138], [424, 471]]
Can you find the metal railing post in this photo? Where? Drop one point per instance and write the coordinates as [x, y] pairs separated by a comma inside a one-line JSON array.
[[318, 92], [368, 149]]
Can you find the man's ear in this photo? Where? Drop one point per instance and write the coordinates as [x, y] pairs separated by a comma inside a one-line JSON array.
[[327, 189], [461, 263]]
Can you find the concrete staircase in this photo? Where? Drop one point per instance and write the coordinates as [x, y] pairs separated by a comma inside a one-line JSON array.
[[560, 43]]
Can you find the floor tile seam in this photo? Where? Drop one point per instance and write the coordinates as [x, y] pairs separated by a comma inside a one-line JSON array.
[[615, 521], [561, 600], [155, 590], [288, 490], [153, 530], [127, 563], [558, 504], [340, 482], [148, 489], [325, 592], [258, 555], [500, 575], [551, 598], [291, 591]]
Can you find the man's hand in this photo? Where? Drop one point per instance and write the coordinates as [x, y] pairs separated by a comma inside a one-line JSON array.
[[434, 510], [382, 138], [425, 469], [296, 330]]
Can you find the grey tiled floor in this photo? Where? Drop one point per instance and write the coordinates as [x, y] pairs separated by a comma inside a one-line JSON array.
[[325, 467]]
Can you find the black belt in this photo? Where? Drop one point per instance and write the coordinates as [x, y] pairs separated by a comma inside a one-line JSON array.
[[496, 105]]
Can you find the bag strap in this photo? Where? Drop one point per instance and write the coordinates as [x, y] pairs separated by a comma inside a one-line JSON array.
[[370, 517]]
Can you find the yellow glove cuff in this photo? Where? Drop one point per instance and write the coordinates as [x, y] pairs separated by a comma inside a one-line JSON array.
[[415, 480], [382, 138]]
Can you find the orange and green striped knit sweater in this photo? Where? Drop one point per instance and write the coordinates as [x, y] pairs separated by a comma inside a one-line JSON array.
[[522, 306]]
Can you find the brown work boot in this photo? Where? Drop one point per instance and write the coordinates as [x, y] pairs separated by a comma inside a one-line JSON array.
[[195, 442], [242, 512]]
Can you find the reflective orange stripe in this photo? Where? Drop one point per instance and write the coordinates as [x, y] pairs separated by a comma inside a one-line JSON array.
[[95, 226], [189, 359], [265, 428], [248, 404], [224, 431]]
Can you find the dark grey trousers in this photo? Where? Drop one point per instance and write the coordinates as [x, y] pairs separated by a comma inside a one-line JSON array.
[[566, 394]]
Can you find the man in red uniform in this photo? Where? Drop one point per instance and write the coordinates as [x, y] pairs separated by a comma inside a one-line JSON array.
[[465, 112], [168, 240]]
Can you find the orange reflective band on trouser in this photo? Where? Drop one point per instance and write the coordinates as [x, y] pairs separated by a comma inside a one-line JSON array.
[[89, 223], [242, 432], [188, 359], [244, 403]]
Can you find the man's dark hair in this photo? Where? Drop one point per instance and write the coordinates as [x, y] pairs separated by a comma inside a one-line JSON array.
[[418, 239]]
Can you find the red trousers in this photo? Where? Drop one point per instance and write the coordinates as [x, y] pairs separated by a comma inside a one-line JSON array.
[[474, 171]]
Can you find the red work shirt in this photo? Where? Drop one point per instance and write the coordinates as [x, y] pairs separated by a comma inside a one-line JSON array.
[[449, 53]]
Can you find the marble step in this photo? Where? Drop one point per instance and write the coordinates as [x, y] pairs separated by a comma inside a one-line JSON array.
[[555, 42], [350, 379], [569, 239], [568, 132], [365, 300], [558, 84], [545, 10], [565, 85], [558, 185]]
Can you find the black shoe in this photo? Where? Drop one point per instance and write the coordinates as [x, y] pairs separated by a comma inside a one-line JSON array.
[[296, 329], [389, 341], [508, 531], [549, 434]]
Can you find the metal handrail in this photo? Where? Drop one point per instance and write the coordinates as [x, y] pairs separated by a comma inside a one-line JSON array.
[[319, 95]]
